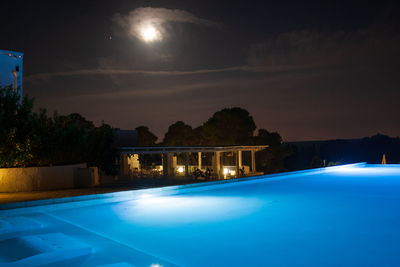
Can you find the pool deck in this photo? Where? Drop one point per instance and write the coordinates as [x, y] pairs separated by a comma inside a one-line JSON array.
[[39, 195], [6, 198], [119, 186]]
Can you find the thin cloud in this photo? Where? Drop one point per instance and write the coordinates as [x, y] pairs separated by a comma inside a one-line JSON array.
[[157, 17], [158, 92], [93, 72], [367, 47]]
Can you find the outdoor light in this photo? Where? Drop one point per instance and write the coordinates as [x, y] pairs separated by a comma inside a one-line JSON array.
[[180, 169], [230, 172]]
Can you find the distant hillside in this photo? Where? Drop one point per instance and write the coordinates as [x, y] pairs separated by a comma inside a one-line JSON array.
[[312, 154]]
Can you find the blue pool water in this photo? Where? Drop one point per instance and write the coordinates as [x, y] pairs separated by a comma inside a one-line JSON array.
[[347, 216]]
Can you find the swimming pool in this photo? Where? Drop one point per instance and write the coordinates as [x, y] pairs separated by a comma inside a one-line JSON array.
[[347, 215]]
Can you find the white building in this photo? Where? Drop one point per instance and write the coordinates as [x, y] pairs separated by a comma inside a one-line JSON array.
[[11, 70]]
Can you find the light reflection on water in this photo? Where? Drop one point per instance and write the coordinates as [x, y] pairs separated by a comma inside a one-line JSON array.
[[351, 170], [187, 209]]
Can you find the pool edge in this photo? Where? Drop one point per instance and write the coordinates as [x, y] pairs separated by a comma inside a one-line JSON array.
[[95, 199]]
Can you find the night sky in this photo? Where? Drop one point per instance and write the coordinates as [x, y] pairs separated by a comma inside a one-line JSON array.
[[309, 70]]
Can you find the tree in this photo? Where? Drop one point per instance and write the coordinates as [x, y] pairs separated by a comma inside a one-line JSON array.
[[266, 138], [15, 126], [145, 137], [34, 139], [230, 126], [179, 134], [198, 137], [78, 119], [102, 153], [272, 159]]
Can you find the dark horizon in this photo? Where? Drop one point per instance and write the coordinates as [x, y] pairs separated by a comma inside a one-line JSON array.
[[308, 70]]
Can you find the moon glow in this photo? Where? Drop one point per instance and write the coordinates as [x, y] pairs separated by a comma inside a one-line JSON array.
[[150, 34]]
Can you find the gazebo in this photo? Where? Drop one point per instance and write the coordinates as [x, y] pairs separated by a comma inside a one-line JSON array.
[[129, 160]]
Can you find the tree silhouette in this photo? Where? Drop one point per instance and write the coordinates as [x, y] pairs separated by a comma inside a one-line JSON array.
[[145, 137], [272, 159], [30, 138], [230, 126], [179, 134]]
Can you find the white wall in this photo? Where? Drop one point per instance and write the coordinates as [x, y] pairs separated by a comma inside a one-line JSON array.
[[8, 62], [37, 178]]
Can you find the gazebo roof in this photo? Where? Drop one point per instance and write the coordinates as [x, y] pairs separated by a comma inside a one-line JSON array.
[[185, 149]]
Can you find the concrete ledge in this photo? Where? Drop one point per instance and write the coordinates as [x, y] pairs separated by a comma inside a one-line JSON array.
[[88, 200], [37, 178]]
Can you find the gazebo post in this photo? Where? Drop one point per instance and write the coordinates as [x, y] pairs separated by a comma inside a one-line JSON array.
[[253, 161], [166, 163], [221, 166], [217, 164], [199, 160], [236, 153], [240, 161], [171, 168], [124, 164], [174, 164], [187, 164]]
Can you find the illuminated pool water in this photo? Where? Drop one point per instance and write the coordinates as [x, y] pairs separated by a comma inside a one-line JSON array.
[[347, 216]]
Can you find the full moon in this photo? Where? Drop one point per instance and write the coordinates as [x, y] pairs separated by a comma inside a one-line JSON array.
[[150, 34]]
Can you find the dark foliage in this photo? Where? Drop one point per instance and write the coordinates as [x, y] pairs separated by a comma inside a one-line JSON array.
[[271, 160], [145, 137], [179, 134], [230, 126], [30, 138]]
